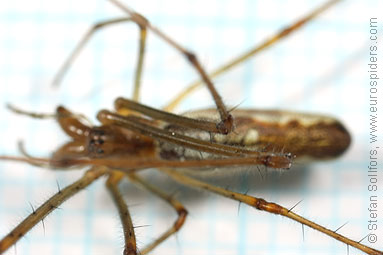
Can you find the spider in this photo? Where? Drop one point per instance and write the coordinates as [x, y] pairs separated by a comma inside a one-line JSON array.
[[242, 207]]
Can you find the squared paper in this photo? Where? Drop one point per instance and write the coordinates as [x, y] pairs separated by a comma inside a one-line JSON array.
[[321, 68]]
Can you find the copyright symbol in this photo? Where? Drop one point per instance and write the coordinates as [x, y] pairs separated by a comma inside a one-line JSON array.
[[372, 238]]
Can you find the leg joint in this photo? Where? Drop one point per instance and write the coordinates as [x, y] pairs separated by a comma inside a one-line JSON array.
[[263, 205], [140, 20], [191, 56], [182, 213]]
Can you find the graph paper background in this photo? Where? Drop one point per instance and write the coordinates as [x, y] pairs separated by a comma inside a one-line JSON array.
[[321, 68]]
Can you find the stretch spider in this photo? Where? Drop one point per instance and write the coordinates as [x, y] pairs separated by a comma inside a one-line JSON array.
[[269, 81]]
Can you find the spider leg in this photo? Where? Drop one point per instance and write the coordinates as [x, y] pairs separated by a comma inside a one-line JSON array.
[[127, 225], [263, 205], [51, 204], [142, 42], [136, 124], [226, 124], [34, 115], [249, 53], [180, 209], [124, 105]]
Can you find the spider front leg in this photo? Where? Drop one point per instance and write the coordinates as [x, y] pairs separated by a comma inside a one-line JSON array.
[[124, 105], [226, 124], [263, 205], [243, 155]]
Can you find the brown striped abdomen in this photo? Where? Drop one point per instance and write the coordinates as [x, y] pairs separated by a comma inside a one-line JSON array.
[[307, 136]]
